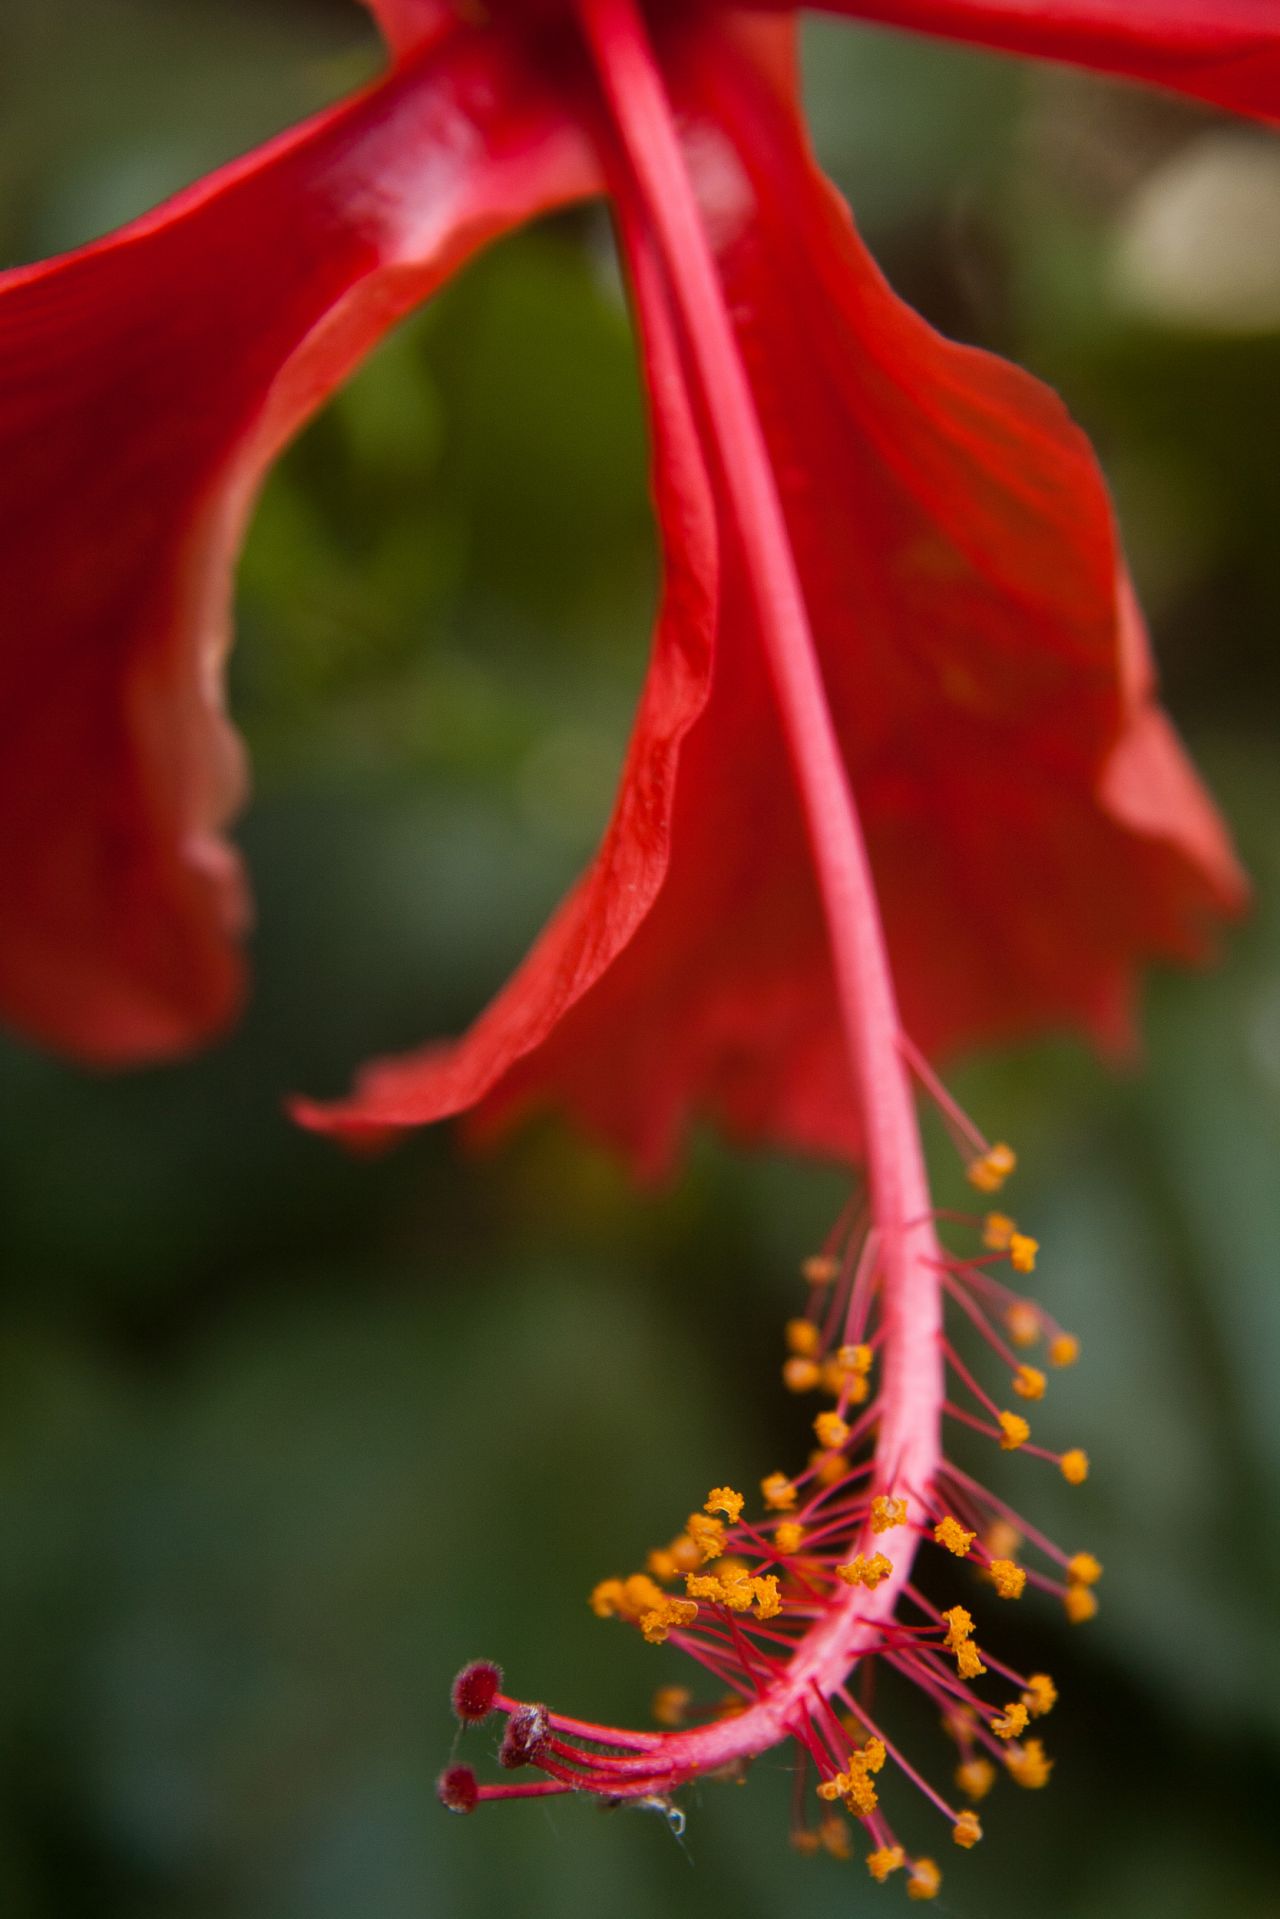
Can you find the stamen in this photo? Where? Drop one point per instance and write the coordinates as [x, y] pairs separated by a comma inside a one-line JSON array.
[[1041, 1695], [951, 1534], [779, 1492], [801, 1375], [1008, 1579], [1027, 1764], [887, 1513], [782, 1643], [1028, 1382], [975, 1777], [924, 1881], [802, 1337], [671, 1705], [968, 1827], [989, 1171]]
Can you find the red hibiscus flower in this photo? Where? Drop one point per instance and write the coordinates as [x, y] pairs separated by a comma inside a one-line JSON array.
[[898, 767], [986, 669]]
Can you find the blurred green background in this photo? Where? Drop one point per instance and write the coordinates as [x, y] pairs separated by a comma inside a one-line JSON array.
[[285, 1438]]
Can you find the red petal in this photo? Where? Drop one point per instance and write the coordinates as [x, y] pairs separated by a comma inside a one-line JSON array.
[[1035, 828], [410, 24], [1224, 51], [145, 382], [592, 940]]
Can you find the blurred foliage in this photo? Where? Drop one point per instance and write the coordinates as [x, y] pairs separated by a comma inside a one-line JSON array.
[[285, 1437]]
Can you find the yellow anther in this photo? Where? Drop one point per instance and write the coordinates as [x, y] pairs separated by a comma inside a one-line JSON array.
[[831, 1789], [1011, 1722], [1074, 1466], [657, 1624], [860, 1796], [639, 1595], [802, 1337], [1064, 1349], [803, 1840], [1008, 1579], [1041, 1695], [959, 1641], [662, 1563], [827, 1468], [788, 1537], [968, 1827], [1084, 1570], [1027, 1764], [887, 1513], [832, 1432], [845, 1372], [1023, 1322], [1022, 1253], [767, 1596], [800, 1375], [1081, 1603], [685, 1552], [950, 1533], [779, 1492], [606, 1598], [924, 1881], [997, 1231], [723, 1499], [670, 1704], [1029, 1382], [959, 1627], [1001, 1539], [862, 1571], [884, 1860], [968, 1664], [835, 1837], [854, 1786], [976, 1777], [991, 1169], [729, 1585], [820, 1268], [707, 1535], [1014, 1432], [839, 1382]]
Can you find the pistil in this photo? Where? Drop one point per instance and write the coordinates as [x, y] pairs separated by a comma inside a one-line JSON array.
[[912, 1392]]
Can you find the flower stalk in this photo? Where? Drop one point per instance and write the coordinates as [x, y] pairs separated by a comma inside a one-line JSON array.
[[898, 1194]]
